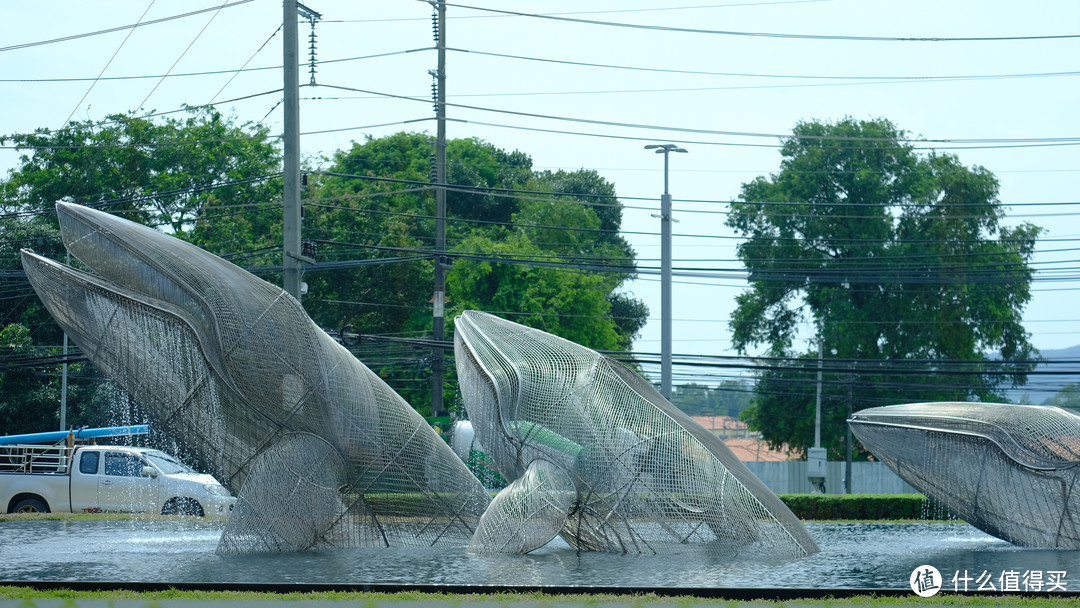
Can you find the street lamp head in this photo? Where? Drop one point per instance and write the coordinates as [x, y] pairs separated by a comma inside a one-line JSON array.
[[664, 148]]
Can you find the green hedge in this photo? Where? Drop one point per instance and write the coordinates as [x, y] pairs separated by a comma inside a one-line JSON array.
[[863, 506]]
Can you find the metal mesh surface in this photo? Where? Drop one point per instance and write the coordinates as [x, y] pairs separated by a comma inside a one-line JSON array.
[[229, 365], [543, 496], [1009, 470], [645, 477]]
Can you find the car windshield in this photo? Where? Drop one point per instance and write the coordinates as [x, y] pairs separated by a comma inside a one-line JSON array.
[[167, 464]]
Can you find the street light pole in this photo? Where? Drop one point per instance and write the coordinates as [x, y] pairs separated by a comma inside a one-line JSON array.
[[665, 272]]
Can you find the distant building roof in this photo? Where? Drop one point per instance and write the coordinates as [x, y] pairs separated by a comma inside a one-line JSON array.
[[752, 449], [717, 423]]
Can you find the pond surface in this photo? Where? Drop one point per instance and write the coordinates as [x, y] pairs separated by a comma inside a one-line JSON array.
[[853, 555]]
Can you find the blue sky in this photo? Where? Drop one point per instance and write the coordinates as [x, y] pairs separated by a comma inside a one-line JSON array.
[[1013, 92]]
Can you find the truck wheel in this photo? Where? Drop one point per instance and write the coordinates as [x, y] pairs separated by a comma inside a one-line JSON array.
[[30, 505], [182, 506]]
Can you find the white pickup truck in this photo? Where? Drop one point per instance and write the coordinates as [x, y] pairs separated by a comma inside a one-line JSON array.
[[100, 478]]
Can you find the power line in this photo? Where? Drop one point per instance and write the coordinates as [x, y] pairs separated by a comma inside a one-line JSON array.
[[107, 64], [502, 192], [133, 144], [723, 143], [1010, 142], [640, 10], [964, 143], [244, 67], [119, 28], [183, 53], [995, 274], [214, 72], [875, 77], [152, 195], [663, 28], [549, 195]]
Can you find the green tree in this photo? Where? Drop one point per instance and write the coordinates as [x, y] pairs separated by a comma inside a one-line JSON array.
[[895, 261], [730, 398], [517, 240], [160, 172], [1068, 397], [30, 389], [552, 235], [167, 172]]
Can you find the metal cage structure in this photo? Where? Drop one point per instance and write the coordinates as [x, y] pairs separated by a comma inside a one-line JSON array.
[[596, 455], [1009, 470], [318, 449]]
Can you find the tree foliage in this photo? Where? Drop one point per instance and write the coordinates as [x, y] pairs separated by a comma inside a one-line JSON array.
[[156, 172], [730, 398], [164, 172], [889, 257], [518, 254], [539, 247], [1068, 397]]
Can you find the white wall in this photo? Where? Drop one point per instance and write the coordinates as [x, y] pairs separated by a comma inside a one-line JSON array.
[[789, 477]]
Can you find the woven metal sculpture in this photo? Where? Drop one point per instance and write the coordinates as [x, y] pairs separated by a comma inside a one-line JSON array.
[[596, 455], [319, 450], [1009, 470]]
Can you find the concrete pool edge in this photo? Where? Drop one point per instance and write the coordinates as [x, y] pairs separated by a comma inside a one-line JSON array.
[[718, 593]]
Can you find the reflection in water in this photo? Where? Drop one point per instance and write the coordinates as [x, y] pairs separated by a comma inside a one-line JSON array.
[[852, 556]]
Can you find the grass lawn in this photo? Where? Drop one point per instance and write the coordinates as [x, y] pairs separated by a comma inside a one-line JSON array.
[[372, 599]]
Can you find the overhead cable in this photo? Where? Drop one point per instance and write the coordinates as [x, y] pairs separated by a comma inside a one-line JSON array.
[[664, 28], [120, 27], [873, 77], [1066, 140]]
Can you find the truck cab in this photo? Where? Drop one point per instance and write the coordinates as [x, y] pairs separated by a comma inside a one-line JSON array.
[[141, 480], [106, 478]]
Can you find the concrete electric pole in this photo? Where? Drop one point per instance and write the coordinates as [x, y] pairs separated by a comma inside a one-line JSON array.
[[441, 262], [292, 265]]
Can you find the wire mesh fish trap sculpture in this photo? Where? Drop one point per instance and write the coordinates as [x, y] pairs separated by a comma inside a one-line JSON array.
[[596, 455], [1009, 470], [318, 449]]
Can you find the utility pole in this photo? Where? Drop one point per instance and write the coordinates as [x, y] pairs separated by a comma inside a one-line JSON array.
[[291, 261], [665, 272], [439, 299], [817, 409], [64, 376], [817, 456], [847, 437]]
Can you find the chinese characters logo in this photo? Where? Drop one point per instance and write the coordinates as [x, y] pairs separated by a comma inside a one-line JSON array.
[[925, 581]]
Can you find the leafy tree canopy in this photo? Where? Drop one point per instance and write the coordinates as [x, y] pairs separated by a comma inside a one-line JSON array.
[[157, 172], [1068, 397], [539, 247], [730, 398], [889, 257], [529, 245], [162, 172]]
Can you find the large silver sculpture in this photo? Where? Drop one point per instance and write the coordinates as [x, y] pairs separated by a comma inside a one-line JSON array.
[[319, 449], [1009, 470], [596, 455]]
